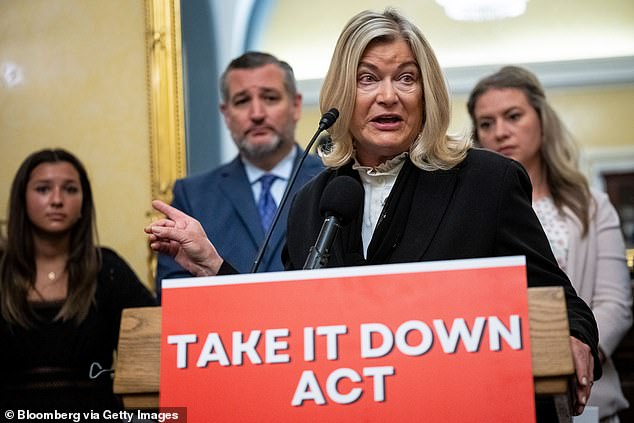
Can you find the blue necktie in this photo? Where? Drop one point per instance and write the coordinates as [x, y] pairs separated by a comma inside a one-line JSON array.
[[266, 203]]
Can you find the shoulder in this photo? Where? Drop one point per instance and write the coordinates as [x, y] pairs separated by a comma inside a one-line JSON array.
[[314, 160], [479, 158], [486, 174], [305, 203], [108, 254], [114, 269], [311, 165], [209, 177], [601, 198], [604, 212], [110, 258], [316, 185], [117, 281], [485, 166]]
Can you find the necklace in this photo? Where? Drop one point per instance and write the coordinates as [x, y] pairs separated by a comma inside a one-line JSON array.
[[48, 289], [53, 276]]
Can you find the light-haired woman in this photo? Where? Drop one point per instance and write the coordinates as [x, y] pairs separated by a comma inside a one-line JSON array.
[[511, 115], [426, 196]]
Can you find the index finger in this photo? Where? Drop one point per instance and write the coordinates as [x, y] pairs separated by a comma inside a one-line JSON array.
[[167, 210]]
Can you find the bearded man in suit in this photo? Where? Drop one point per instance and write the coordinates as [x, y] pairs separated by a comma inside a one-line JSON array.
[[261, 107]]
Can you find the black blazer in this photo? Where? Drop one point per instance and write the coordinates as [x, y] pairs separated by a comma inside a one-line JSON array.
[[480, 208]]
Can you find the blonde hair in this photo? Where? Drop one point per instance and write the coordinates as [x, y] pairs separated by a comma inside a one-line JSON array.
[[559, 152], [433, 149]]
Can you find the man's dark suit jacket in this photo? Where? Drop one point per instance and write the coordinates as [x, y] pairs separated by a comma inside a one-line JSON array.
[[222, 201], [480, 208]]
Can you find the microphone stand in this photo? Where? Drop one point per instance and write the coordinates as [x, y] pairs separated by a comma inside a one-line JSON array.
[[319, 253], [323, 124]]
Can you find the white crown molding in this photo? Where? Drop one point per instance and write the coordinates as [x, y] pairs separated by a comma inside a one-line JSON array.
[[561, 74]]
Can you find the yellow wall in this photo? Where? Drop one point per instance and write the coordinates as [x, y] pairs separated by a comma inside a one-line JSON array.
[[84, 89]]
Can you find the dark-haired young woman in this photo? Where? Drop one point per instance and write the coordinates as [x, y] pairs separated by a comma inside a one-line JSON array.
[[61, 295]]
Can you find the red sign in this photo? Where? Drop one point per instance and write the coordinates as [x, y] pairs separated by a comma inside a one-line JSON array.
[[435, 342]]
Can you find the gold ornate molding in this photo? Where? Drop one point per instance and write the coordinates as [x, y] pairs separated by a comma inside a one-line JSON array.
[[164, 58], [165, 88]]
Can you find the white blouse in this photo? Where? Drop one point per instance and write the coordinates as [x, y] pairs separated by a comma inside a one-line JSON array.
[[377, 184], [555, 227]]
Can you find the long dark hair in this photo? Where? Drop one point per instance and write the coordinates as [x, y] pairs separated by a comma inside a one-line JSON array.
[[17, 266]]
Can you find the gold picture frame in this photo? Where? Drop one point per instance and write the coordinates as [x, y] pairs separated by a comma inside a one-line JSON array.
[[165, 88]]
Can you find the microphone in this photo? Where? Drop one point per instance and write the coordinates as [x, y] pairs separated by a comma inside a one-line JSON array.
[[339, 204], [326, 121]]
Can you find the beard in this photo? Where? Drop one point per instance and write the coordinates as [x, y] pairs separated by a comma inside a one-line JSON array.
[[260, 150]]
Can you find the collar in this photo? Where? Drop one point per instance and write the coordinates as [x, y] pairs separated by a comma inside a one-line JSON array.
[[389, 167], [282, 169]]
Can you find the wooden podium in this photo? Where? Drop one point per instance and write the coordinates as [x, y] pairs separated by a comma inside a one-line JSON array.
[[138, 364]]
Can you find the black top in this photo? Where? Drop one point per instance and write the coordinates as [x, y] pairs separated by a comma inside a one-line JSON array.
[[47, 366], [480, 208]]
